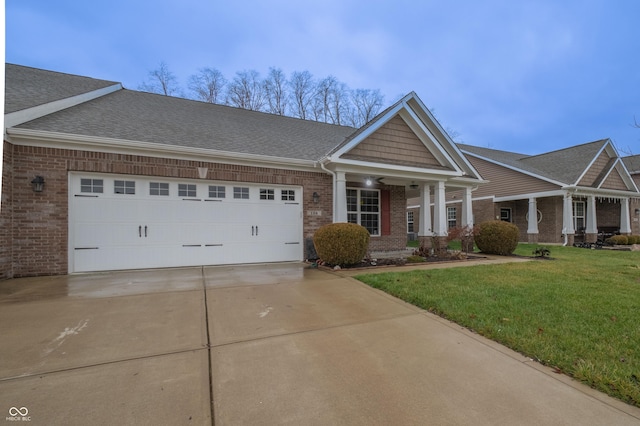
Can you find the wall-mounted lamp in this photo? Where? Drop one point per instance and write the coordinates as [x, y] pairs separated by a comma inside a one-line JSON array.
[[316, 198], [368, 181], [38, 184], [637, 211]]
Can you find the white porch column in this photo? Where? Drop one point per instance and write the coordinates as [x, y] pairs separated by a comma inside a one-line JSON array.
[[625, 219], [424, 223], [592, 219], [467, 209], [439, 211], [340, 198], [532, 225], [567, 215]]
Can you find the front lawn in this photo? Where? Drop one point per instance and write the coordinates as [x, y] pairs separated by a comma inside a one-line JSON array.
[[578, 312]]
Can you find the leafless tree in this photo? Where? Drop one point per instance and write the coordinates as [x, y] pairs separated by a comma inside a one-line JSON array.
[[162, 81], [302, 92], [366, 104], [275, 88], [208, 85], [246, 91]]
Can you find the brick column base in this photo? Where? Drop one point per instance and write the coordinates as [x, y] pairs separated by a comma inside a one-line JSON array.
[[532, 238], [590, 238]]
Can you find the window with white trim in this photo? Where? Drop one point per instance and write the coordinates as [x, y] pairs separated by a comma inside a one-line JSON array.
[[579, 215], [240, 193], [186, 190], [159, 188], [451, 217], [124, 187], [410, 221], [505, 214], [216, 191], [288, 195], [92, 185], [363, 208], [267, 194]]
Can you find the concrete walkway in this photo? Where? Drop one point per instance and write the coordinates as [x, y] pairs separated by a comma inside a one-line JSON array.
[[262, 345]]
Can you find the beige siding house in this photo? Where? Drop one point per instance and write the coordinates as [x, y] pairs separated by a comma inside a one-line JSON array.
[[582, 193]]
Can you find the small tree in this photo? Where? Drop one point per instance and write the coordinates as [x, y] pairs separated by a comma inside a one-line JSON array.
[[161, 81]]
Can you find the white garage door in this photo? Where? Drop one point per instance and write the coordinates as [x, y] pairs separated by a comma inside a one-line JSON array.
[[129, 222]]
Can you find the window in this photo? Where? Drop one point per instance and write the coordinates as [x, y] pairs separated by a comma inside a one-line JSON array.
[[92, 185], [267, 194], [158, 188], [505, 214], [124, 187], [410, 222], [451, 217], [578, 215], [186, 190], [241, 193], [216, 191], [363, 208], [288, 195]]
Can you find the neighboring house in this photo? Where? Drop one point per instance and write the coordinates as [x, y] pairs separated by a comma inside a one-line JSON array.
[[97, 177], [580, 193]]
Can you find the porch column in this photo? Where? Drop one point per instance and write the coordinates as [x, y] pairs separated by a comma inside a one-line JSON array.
[[567, 220], [532, 222], [591, 229], [340, 200], [625, 218], [424, 228], [440, 215], [467, 209]]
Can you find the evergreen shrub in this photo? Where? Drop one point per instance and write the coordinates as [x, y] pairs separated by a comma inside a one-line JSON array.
[[341, 243], [497, 237]]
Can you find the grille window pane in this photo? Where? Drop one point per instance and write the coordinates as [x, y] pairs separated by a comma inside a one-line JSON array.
[[92, 185], [159, 188], [124, 187], [267, 194], [216, 191], [186, 190], [363, 208], [240, 193], [288, 195]]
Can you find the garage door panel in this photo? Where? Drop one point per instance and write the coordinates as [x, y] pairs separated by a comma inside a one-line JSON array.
[[112, 230]]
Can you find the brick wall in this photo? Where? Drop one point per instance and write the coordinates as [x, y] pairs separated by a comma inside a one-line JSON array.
[[398, 237], [37, 222]]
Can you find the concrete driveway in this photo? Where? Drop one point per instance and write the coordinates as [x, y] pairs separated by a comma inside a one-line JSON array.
[[261, 345]]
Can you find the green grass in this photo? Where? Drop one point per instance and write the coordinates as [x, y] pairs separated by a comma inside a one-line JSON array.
[[578, 312]]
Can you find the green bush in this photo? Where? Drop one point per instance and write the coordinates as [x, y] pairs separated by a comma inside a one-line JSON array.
[[415, 259], [633, 239], [497, 237], [618, 240], [341, 243]]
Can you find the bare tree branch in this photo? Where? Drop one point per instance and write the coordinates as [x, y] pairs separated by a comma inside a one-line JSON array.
[[161, 81], [246, 91], [275, 88], [208, 85]]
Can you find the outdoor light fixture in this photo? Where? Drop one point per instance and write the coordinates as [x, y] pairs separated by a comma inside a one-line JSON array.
[[38, 184], [368, 181], [316, 197], [637, 211], [414, 185]]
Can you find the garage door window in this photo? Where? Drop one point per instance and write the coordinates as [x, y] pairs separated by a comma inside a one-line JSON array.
[[158, 188], [186, 190], [267, 194], [240, 193], [288, 195], [216, 191], [92, 185], [363, 208], [124, 187]]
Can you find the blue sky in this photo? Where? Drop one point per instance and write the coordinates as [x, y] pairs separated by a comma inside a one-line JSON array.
[[524, 76]]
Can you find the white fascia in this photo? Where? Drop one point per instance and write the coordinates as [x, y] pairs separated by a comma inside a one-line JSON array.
[[28, 137], [358, 166], [603, 193], [556, 193], [18, 117]]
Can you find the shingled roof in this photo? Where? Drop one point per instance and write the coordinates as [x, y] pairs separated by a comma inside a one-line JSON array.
[[146, 117], [27, 87], [564, 165], [632, 163]]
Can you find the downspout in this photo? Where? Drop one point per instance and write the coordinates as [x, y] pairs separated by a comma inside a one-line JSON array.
[[333, 193]]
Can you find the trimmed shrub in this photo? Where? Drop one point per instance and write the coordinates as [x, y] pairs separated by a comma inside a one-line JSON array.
[[497, 237], [618, 240], [341, 243], [633, 239], [415, 259]]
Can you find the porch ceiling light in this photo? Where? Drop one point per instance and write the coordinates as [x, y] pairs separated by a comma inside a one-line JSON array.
[[368, 181]]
